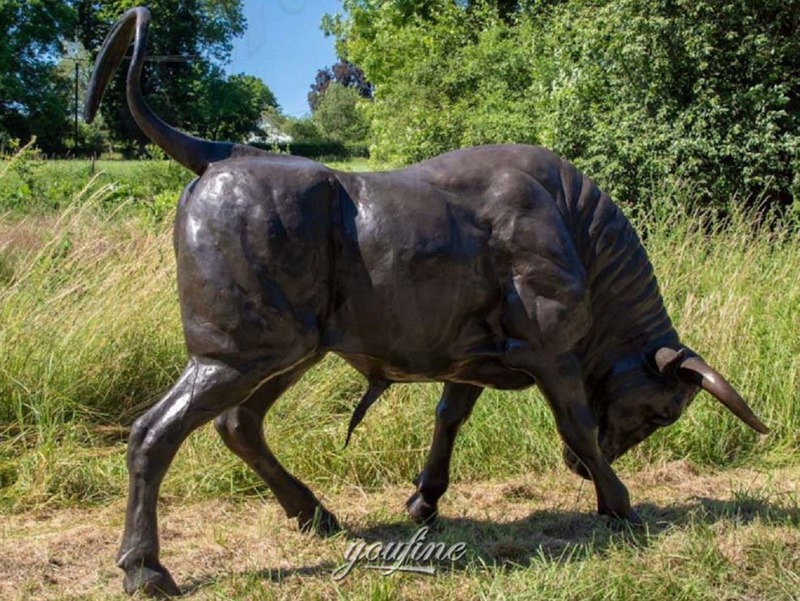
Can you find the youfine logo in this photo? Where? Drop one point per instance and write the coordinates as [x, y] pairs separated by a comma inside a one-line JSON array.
[[399, 556]]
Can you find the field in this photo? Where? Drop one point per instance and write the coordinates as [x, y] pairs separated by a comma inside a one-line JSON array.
[[90, 336]]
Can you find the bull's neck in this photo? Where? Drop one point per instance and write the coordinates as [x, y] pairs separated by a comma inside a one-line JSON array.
[[628, 313]]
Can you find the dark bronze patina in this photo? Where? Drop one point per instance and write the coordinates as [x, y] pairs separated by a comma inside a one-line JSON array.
[[496, 266]]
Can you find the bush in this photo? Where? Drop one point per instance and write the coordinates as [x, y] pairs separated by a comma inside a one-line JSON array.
[[644, 95], [338, 115], [34, 185], [322, 149]]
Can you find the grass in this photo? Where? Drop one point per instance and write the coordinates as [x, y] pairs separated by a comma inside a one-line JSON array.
[[90, 336], [148, 188], [528, 537], [34, 186]]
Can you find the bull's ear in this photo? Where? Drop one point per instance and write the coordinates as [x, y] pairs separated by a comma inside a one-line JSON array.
[[668, 360]]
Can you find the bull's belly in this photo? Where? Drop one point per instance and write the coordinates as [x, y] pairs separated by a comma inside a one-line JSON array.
[[486, 371], [488, 366], [469, 329]]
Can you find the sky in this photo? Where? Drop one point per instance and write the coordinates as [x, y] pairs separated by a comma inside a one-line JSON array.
[[284, 46]]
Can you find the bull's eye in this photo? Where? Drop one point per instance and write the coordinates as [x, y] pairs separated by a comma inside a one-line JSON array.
[[664, 418]]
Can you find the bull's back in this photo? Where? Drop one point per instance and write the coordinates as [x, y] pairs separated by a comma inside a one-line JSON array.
[[464, 257]]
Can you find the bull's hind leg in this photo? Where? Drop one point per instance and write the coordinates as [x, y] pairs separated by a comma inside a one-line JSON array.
[[242, 431], [205, 388], [453, 410]]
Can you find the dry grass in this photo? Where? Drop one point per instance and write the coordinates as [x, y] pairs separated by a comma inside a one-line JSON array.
[[727, 535]]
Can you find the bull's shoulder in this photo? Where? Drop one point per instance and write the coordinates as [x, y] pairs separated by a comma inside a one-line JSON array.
[[519, 196], [546, 292]]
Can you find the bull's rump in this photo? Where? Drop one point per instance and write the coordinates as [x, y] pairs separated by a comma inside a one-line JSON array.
[[252, 241]]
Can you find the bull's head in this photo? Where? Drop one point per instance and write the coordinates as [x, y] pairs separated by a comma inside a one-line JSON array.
[[644, 394]]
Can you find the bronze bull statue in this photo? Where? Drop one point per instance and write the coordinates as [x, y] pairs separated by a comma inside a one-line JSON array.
[[495, 266]]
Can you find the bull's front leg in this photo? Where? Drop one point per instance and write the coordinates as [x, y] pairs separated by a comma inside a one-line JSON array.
[[561, 382]]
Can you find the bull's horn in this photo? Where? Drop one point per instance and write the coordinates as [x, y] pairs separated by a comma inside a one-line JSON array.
[[699, 372]]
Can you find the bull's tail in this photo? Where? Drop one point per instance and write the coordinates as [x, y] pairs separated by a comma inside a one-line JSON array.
[[193, 153]]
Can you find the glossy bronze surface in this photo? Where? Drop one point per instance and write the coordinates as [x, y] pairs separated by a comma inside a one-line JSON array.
[[496, 266]]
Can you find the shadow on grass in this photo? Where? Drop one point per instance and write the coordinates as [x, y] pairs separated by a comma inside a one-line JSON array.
[[574, 536], [546, 535]]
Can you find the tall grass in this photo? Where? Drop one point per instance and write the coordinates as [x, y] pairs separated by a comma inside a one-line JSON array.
[[732, 290], [90, 336]]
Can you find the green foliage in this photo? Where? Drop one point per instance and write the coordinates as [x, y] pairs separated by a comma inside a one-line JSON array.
[[339, 116], [228, 108], [343, 73], [308, 141], [696, 94], [321, 150], [280, 128], [204, 27], [446, 75], [32, 185], [20, 174], [301, 129], [95, 138], [38, 54], [33, 94], [643, 95]]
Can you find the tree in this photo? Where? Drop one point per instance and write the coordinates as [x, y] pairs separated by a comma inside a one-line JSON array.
[[229, 108], [296, 129], [343, 73], [446, 74], [92, 139], [337, 115], [646, 95], [301, 129], [38, 51], [33, 95], [201, 31]]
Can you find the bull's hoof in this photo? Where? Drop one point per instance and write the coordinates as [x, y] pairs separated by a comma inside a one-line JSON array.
[[321, 522], [629, 516], [420, 510], [152, 581]]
